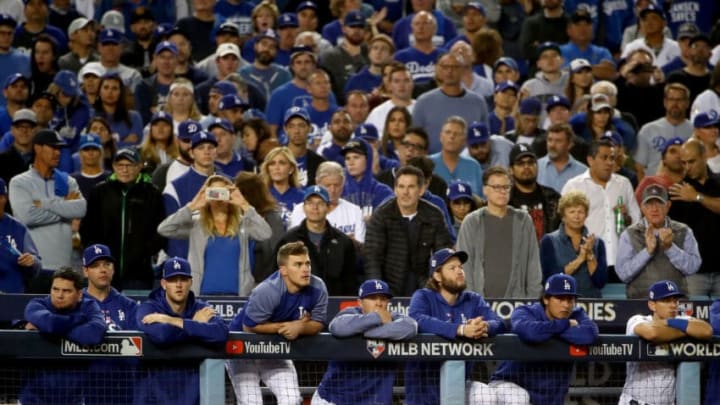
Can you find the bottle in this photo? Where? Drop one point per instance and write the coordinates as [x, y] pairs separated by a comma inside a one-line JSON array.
[[619, 218]]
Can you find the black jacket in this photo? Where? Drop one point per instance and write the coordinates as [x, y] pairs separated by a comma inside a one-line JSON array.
[[388, 251], [126, 220], [334, 262]]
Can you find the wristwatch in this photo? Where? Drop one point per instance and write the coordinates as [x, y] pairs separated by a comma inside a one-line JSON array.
[[699, 197]]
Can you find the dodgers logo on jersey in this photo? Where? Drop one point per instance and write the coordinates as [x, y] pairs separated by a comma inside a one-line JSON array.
[[375, 347]]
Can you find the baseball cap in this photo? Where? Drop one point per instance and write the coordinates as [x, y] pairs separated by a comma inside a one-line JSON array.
[[229, 101], [161, 116], [367, 132], [477, 133], [228, 49], [296, 112], [687, 30], [166, 46], [548, 46], [374, 287], [581, 14], [45, 95], [652, 8], [254, 113], [222, 123], [354, 18], [90, 140], [176, 266], [306, 5], [505, 85], [288, 20], [600, 101], [141, 13], [383, 38], [14, 78], [94, 69], [560, 284], [706, 119], [202, 137], [228, 28], [614, 137], [507, 61], [318, 191], [7, 20], [520, 151], [530, 106], [95, 252], [114, 20], [663, 289], [163, 30], [441, 257], [224, 87], [67, 82], [579, 64], [110, 36], [459, 189], [473, 5], [3, 187], [354, 146], [50, 138], [24, 115], [670, 142], [78, 24], [270, 34], [188, 128], [557, 100], [128, 154], [700, 37], [654, 192]]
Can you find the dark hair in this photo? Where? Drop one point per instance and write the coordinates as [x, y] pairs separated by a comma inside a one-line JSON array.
[[563, 127], [385, 138], [35, 73], [408, 170], [590, 116], [432, 284], [262, 130], [596, 145], [487, 46], [421, 132], [715, 77], [121, 110], [424, 164], [256, 192], [495, 171], [109, 147], [67, 273], [290, 249]]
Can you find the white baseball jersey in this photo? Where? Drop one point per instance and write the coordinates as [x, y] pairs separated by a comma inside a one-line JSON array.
[[346, 217]]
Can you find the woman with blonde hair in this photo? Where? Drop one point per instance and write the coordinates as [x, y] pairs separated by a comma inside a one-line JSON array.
[[280, 172], [159, 146], [181, 103], [220, 237]]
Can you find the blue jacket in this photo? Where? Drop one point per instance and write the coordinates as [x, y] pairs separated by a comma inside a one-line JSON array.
[[83, 324], [363, 382], [118, 310], [434, 315], [367, 193], [15, 239], [712, 388], [546, 383]]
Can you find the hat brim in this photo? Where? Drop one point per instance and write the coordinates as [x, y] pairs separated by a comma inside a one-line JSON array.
[[653, 197], [176, 273], [524, 154], [195, 145], [96, 258], [384, 294], [354, 150], [674, 294], [90, 145], [459, 254]]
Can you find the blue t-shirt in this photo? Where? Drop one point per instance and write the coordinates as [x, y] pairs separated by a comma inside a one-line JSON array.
[[618, 15], [234, 166], [11, 63], [495, 123], [122, 129], [286, 96], [222, 276], [702, 13], [363, 80], [332, 31], [594, 54], [266, 79], [421, 65], [321, 119], [287, 201]]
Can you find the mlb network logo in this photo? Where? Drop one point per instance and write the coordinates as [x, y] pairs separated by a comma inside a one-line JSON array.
[[112, 346]]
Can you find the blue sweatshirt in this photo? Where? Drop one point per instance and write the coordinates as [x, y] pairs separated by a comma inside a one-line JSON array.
[[83, 324], [14, 240], [434, 315], [117, 309], [363, 382], [546, 383], [367, 193]]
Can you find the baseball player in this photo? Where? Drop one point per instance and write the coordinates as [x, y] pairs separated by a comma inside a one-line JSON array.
[[171, 315], [444, 308], [371, 382], [654, 382], [291, 302], [555, 316]]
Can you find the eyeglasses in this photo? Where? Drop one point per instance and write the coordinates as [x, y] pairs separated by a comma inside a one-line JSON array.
[[123, 166], [500, 187], [415, 146]]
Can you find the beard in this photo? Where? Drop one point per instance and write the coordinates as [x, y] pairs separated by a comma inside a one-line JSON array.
[[525, 182], [265, 58], [453, 287]]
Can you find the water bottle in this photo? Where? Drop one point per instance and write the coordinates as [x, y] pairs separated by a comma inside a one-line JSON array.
[[619, 218]]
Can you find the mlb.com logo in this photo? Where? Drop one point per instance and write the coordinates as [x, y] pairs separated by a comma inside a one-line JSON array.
[[112, 346]]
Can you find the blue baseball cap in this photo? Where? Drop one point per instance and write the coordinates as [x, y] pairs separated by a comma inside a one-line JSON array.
[[131, 155], [507, 61], [556, 100], [459, 189], [288, 20], [67, 82], [225, 87], [477, 133], [473, 5], [3, 187], [663, 289], [202, 137], [614, 137], [7, 20], [545, 46], [318, 191], [161, 116], [110, 36], [560, 284], [176, 266], [95, 252], [166, 46], [296, 112], [670, 142], [367, 132], [306, 5], [441, 256], [188, 128], [271, 34], [229, 101], [374, 287], [14, 78], [652, 8], [254, 113], [90, 140], [222, 123], [354, 18], [530, 106], [706, 119], [505, 85], [163, 30]]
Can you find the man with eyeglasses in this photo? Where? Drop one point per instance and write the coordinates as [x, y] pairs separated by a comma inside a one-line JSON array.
[[124, 213], [513, 268]]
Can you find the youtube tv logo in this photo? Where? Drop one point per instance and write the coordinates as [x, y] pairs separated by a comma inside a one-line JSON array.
[[578, 351], [234, 347]]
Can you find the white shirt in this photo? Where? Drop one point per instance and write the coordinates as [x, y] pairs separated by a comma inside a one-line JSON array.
[[379, 114], [175, 170], [669, 50], [648, 381], [346, 217], [601, 218]]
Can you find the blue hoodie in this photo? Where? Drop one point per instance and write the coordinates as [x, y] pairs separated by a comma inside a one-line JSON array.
[[15, 239], [367, 193]]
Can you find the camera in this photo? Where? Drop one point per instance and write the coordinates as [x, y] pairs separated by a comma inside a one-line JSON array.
[[217, 194]]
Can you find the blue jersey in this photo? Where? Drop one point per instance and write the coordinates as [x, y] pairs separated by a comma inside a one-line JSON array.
[[321, 119], [15, 240], [420, 65], [364, 81], [332, 31], [287, 201], [702, 13], [286, 96], [496, 124], [546, 383], [176, 194], [333, 153], [363, 382], [235, 165], [434, 315], [271, 301], [117, 309]]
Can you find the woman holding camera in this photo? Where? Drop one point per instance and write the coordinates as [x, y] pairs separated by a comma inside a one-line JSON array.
[[220, 237]]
